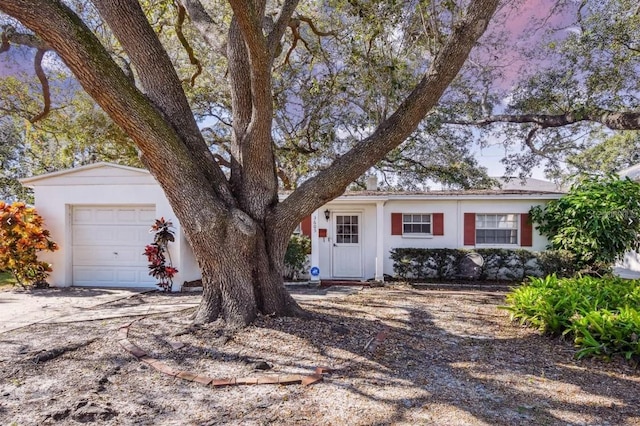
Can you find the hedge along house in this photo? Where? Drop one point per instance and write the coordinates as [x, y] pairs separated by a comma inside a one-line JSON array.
[[352, 236], [100, 215]]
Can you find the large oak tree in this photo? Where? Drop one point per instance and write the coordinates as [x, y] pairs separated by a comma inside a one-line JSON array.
[[234, 222]]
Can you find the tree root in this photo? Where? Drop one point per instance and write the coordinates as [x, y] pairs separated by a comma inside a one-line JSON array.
[[304, 379], [48, 355]]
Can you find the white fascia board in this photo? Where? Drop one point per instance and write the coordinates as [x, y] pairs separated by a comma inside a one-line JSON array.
[[29, 181], [422, 197]]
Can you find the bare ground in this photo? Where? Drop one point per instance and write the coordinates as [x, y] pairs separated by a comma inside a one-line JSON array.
[[450, 357]]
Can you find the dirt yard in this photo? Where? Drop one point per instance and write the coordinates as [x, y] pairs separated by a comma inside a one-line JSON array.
[[397, 356]]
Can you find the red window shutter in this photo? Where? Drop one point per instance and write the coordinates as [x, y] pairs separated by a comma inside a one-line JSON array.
[[396, 223], [526, 231], [305, 226], [438, 223], [469, 229]]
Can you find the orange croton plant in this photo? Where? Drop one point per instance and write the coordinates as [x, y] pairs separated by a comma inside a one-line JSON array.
[[22, 236]]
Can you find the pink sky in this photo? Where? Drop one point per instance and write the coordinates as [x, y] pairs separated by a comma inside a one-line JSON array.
[[526, 24]]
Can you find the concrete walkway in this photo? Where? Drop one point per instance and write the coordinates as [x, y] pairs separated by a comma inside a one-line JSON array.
[[22, 308]]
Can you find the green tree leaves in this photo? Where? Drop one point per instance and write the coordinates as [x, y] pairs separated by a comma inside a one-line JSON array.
[[598, 221]]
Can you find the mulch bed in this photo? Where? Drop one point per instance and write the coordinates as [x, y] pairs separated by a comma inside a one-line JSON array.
[[395, 355]]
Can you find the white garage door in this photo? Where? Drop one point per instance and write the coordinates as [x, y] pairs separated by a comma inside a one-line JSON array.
[[108, 242]]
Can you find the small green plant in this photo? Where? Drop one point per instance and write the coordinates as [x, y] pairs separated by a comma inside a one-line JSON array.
[[602, 315], [7, 279], [295, 258], [158, 254], [22, 236]]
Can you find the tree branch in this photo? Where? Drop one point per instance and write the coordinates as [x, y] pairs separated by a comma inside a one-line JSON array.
[[44, 83], [282, 21], [294, 24], [4, 43], [629, 120], [9, 35], [222, 161], [529, 142], [286, 181], [249, 18], [295, 32], [205, 25], [185, 43], [314, 29], [332, 181]]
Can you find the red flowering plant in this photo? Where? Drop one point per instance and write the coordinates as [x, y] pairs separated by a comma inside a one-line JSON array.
[[22, 236], [158, 254]]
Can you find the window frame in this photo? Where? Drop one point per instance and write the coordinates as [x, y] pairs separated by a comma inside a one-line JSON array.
[[516, 228], [348, 225], [419, 223]]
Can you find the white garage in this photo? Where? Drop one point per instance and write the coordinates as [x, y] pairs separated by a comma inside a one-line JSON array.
[[100, 216], [106, 244]]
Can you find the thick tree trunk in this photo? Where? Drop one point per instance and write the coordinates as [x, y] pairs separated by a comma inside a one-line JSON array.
[[241, 272]]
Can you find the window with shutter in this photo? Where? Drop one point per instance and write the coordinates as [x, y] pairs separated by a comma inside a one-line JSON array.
[[417, 224]]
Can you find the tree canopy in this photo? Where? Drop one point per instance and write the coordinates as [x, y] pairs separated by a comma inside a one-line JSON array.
[[338, 74], [341, 69], [577, 86]]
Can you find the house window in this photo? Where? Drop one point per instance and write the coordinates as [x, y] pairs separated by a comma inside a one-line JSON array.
[[416, 224], [496, 229], [347, 231]]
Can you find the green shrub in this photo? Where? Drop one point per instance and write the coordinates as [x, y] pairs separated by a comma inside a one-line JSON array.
[[601, 314], [295, 258], [558, 262], [605, 333], [22, 237], [499, 264], [598, 220]]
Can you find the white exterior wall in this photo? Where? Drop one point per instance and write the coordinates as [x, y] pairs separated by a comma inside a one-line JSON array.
[[107, 184], [453, 211], [629, 266], [506, 206], [452, 208], [452, 237], [367, 236], [56, 195]]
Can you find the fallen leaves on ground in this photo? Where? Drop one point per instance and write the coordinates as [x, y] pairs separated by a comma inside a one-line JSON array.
[[447, 357]]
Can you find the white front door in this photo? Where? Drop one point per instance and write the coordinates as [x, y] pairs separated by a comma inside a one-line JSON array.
[[347, 245], [108, 242]]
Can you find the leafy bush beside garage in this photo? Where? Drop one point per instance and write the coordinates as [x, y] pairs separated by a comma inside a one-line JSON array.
[[22, 236], [479, 264]]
